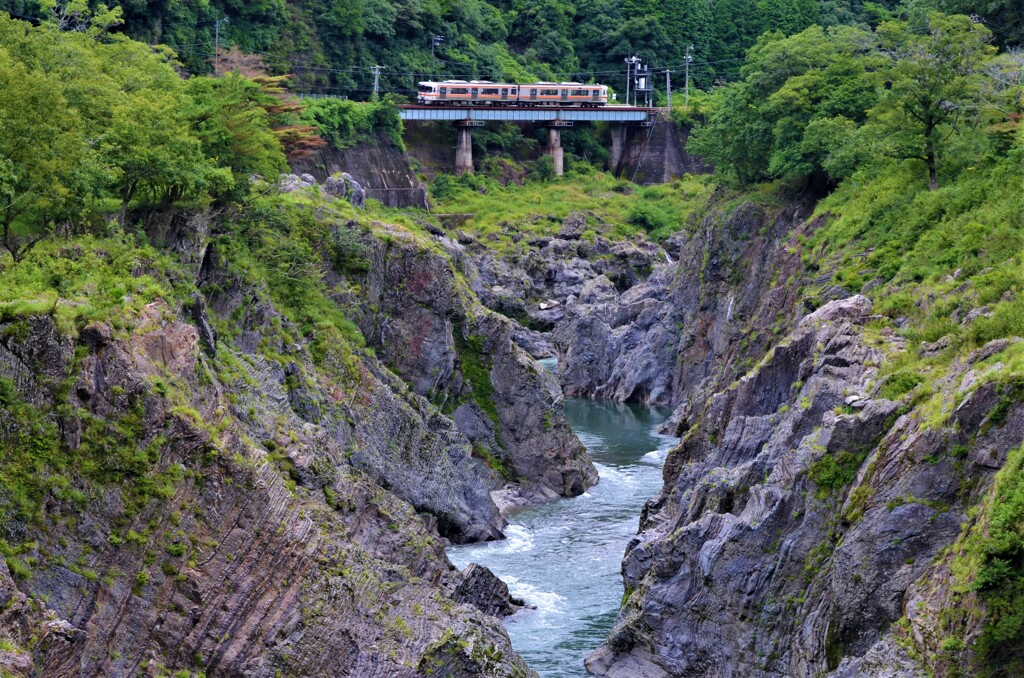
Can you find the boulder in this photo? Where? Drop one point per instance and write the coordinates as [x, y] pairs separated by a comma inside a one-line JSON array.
[[484, 591], [356, 192], [335, 186]]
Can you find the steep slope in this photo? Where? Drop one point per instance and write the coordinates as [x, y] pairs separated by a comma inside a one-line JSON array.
[[203, 471], [694, 324], [801, 508], [850, 505], [426, 323]]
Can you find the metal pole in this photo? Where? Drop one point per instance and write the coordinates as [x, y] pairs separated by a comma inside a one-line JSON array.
[[216, 45], [668, 87], [686, 98], [376, 81], [629, 75]]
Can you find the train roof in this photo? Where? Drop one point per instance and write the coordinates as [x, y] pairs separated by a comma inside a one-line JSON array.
[[506, 84]]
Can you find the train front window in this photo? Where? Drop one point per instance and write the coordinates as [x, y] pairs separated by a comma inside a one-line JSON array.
[[426, 89]]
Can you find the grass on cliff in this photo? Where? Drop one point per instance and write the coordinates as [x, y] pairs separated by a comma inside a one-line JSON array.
[[929, 258], [990, 563], [287, 244], [617, 209], [945, 270], [87, 278]]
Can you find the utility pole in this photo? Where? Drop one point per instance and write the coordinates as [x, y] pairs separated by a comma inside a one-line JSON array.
[[631, 63], [686, 97], [216, 44], [668, 87], [376, 81], [435, 42]]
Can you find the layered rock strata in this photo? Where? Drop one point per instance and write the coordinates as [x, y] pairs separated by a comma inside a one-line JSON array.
[[802, 515]]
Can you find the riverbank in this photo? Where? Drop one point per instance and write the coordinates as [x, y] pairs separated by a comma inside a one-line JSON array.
[[563, 557]]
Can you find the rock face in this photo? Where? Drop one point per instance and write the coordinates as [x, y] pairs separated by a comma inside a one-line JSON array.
[[242, 504], [481, 589], [425, 324], [692, 326], [388, 432], [801, 516], [534, 283], [385, 172]]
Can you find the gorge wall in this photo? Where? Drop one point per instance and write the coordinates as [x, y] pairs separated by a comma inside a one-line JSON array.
[[211, 488], [815, 517]]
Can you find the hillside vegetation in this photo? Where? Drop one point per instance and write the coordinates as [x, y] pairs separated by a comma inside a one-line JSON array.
[[332, 45]]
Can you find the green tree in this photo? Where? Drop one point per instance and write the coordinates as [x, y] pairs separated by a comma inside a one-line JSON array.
[[154, 155], [800, 99], [233, 127], [933, 78], [45, 174]]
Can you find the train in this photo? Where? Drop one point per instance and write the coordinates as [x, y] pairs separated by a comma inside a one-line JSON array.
[[487, 93]]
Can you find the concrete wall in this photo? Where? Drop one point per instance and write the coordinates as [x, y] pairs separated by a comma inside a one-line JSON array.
[[384, 171], [653, 155]]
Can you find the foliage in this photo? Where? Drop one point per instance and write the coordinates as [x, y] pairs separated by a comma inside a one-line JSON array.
[[88, 118], [816, 106], [233, 126], [834, 472], [990, 565], [933, 75], [899, 384], [346, 123], [797, 97], [331, 46], [40, 183], [616, 209], [109, 279]]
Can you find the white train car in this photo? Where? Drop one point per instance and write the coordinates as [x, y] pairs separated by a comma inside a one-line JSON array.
[[487, 93]]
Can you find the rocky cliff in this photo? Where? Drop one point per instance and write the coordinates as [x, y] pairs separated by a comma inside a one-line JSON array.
[[212, 477], [426, 324], [694, 324], [804, 513], [833, 493]]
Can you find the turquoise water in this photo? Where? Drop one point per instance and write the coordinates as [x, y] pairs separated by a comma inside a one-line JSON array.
[[564, 557]]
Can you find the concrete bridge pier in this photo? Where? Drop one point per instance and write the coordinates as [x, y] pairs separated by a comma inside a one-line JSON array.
[[464, 146], [555, 150], [618, 133]]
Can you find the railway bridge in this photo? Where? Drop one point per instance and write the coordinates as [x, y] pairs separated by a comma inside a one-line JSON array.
[[465, 118]]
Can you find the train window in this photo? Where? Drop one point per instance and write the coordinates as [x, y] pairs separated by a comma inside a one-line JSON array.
[[489, 91], [426, 88], [549, 92], [459, 90]]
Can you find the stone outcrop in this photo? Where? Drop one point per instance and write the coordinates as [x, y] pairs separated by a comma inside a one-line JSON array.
[[534, 281], [425, 324], [694, 324], [246, 545], [338, 185], [393, 434], [481, 589], [802, 515]]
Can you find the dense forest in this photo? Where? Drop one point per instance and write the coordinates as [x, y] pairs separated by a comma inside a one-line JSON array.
[[332, 45]]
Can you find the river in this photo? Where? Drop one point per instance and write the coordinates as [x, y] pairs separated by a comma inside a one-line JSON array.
[[564, 557]]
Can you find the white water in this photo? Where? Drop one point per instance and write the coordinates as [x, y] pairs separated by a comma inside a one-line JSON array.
[[564, 557]]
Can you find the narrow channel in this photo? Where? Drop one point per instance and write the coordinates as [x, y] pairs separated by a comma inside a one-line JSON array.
[[564, 557]]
